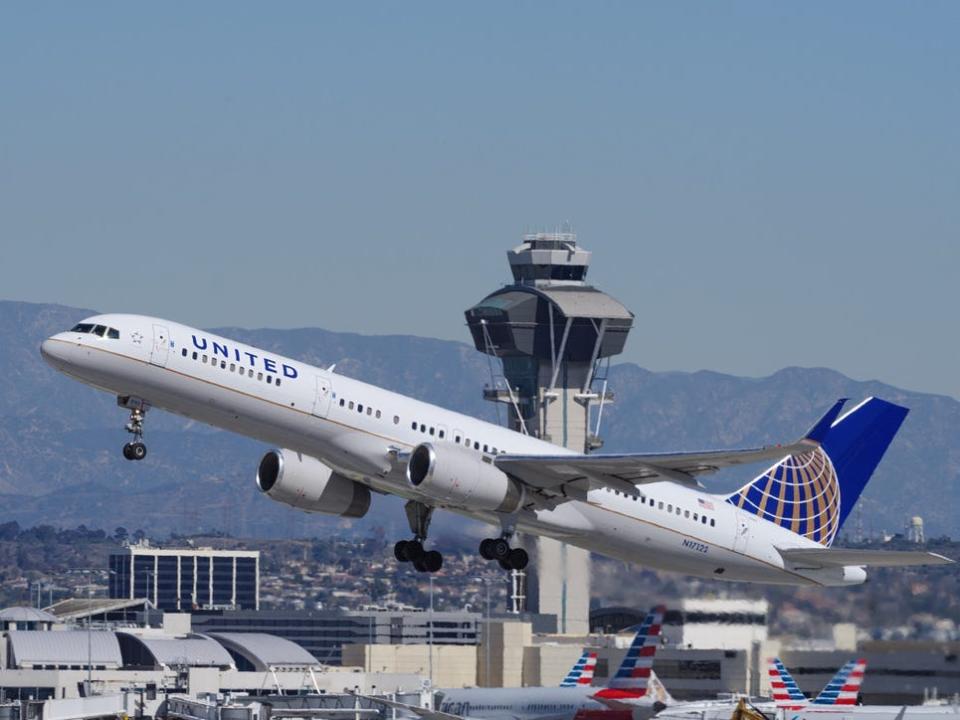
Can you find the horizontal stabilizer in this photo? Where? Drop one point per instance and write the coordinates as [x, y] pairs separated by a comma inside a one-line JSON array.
[[814, 558]]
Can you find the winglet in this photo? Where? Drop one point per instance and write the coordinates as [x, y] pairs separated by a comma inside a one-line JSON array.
[[819, 431]]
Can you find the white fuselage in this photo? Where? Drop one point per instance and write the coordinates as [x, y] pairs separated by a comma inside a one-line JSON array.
[[359, 430], [722, 710]]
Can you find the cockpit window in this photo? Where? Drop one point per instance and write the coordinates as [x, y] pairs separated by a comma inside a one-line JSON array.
[[101, 330]]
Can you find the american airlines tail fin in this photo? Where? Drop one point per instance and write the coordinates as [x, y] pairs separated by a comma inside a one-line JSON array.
[[813, 492], [845, 686], [631, 679], [786, 693], [582, 671]]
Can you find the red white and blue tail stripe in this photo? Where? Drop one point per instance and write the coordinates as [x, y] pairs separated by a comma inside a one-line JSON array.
[[786, 693], [845, 686], [582, 671], [631, 680]]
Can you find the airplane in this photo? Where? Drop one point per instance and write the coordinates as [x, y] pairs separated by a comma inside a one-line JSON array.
[[625, 697], [843, 688], [339, 440], [582, 671]]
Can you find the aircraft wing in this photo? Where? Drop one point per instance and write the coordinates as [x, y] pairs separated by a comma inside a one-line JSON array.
[[421, 712], [562, 477], [814, 558]]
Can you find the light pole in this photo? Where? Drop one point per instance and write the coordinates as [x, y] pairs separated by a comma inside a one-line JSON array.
[[89, 690], [486, 634], [430, 631]]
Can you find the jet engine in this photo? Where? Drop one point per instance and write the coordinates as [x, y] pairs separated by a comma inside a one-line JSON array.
[[450, 474], [307, 484]]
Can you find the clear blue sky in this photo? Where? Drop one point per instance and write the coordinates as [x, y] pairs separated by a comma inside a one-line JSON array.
[[764, 184]]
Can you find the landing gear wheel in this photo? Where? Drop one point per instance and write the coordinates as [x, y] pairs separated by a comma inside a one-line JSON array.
[[399, 549], [499, 549], [138, 450], [419, 565], [518, 559], [128, 451], [414, 551], [505, 564], [432, 561], [485, 551]]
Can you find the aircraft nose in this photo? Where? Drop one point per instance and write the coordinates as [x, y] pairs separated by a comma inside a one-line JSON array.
[[54, 351]]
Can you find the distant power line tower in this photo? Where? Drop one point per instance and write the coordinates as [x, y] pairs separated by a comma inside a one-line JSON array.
[[915, 529], [554, 335]]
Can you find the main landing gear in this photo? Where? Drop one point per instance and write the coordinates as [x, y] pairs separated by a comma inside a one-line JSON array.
[[429, 561], [135, 450], [499, 549]]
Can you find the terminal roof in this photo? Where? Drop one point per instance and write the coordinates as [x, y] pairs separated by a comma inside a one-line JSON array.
[[265, 651]]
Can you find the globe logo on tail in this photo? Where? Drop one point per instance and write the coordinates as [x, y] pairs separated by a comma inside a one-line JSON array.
[[800, 493]]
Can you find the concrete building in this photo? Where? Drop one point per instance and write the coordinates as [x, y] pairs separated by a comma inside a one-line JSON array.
[[552, 333], [324, 633], [71, 663], [185, 579], [446, 666]]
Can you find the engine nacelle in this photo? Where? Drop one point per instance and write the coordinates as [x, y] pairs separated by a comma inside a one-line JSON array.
[[307, 484], [457, 476]]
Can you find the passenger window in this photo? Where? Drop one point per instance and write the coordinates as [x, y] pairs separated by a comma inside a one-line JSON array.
[[423, 428], [485, 448], [712, 522], [233, 367], [396, 419], [652, 502], [250, 372], [669, 508], [259, 376], [194, 355], [695, 517], [476, 444], [369, 410], [360, 408], [277, 382], [184, 352], [457, 439], [678, 509], [342, 402], [467, 442], [413, 425], [703, 519], [204, 359], [114, 334], [223, 364], [377, 415], [350, 405], [431, 431], [442, 433], [269, 379]]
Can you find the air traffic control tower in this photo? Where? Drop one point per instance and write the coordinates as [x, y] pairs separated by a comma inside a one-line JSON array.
[[554, 334]]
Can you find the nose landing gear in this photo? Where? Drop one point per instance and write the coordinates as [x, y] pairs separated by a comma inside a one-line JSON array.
[[135, 450]]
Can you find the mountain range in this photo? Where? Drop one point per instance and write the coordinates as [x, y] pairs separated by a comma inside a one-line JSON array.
[[60, 441]]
